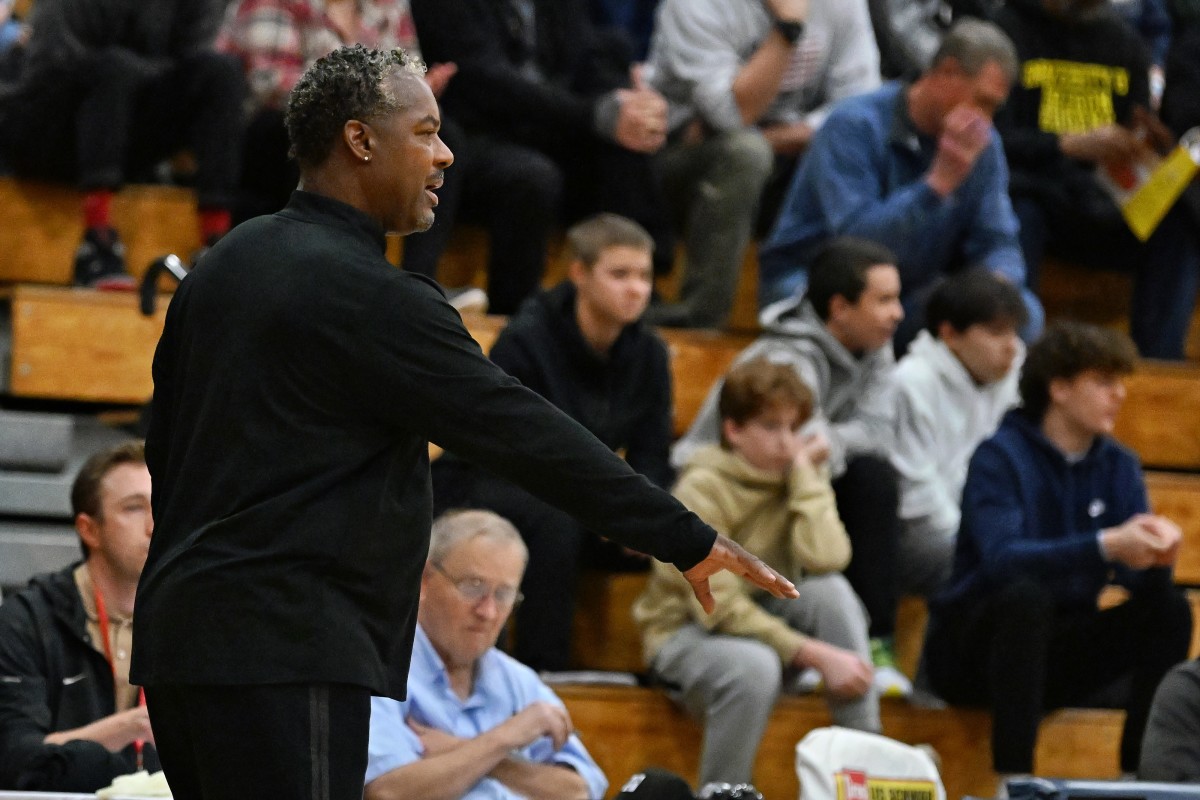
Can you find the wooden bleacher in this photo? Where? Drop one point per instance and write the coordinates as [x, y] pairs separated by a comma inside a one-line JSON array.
[[71, 344]]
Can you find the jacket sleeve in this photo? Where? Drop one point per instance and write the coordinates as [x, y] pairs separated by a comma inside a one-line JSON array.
[[1171, 746], [423, 373], [868, 429], [510, 353], [854, 60], [650, 441], [915, 456], [992, 237], [694, 49], [819, 540], [26, 761], [736, 612]]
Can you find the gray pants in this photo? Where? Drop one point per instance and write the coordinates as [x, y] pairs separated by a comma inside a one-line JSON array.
[[730, 682], [712, 188]]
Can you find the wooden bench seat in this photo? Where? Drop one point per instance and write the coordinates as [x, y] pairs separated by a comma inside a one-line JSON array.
[[627, 729]]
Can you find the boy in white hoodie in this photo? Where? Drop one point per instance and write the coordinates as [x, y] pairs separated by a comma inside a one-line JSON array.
[[765, 487], [951, 389]]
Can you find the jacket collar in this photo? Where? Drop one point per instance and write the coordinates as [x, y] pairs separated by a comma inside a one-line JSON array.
[[324, 210]]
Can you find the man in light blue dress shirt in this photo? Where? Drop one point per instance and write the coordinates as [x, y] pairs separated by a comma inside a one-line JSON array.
[[477, 724]]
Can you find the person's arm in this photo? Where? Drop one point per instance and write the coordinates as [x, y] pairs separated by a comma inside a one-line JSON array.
[[868, 428], [915, 455], [31, 753], [818, 539], [418, 369], [650, 439], [853, 61], [736, 612], [992, 239]]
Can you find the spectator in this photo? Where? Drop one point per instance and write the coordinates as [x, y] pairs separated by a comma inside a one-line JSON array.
[[748, 83], [762, 488], [476, 724], [581, 346], [1171, 746], [1152, 21], [1053, 510], [553, 123], [952, 388], [1080, 107], [837, 338], [917, 168], [276, 40], [1181, 97], [107, 90], [69, 719]]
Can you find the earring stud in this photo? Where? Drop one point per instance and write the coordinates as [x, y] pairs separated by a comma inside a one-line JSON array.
[[367, 158]]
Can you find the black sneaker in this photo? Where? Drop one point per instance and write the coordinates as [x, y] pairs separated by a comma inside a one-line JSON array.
[[100, 262]]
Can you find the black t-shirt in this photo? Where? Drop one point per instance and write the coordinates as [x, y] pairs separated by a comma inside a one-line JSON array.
[[297, 382]]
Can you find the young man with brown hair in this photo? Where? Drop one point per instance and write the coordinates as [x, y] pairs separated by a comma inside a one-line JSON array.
[[762, 487], [69, 719], [583, 347], [1053, 511]]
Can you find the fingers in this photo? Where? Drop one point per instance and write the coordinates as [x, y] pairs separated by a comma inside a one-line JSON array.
[[704, 594]]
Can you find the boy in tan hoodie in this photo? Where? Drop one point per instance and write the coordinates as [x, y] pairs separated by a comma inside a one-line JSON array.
[[762, 487]]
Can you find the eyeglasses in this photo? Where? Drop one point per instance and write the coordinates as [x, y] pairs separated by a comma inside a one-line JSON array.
[[474, 590]]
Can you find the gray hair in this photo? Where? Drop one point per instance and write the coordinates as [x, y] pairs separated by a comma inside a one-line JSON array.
[[974, 43], [461, 525]]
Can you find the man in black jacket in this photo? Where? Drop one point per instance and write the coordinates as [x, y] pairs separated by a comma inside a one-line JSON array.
[[583, 347], [69, 719], [297, 384]]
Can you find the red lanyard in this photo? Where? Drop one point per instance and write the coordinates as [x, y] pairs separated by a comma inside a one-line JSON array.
[[102, 618]]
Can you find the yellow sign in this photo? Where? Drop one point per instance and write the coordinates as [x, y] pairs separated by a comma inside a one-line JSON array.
[[855, 784]]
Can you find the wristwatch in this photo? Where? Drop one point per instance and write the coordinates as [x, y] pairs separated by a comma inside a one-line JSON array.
[[789, 29]]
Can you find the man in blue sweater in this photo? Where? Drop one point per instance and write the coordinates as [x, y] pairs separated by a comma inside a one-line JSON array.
[[917, 168], [1055, 518]]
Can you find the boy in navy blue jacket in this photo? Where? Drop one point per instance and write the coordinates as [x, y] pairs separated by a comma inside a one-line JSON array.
[[1054, 510]]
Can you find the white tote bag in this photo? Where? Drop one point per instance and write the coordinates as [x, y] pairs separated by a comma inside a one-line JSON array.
[[845, 764]]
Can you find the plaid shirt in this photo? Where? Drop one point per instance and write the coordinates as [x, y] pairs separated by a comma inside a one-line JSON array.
[[277, 40]]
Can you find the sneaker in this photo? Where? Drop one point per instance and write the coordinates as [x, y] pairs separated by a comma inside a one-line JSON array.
[[100, 262], [809, 681], [889, 680], [468, 299]]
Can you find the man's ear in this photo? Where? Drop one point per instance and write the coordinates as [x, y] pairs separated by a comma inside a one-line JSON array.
[[838, 305], [577, 271], [358, 137], [88, 528], [1058, 389]]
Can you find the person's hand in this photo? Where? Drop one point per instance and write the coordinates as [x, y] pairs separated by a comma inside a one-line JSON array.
[[964, 136], [814, 446], [1152, 130], [846, 675], [642, 116], [434, 741], [438, 75], [537, 720], [729, 555], [115, 732], [1141, 542], [1169, 535], [1110, 144]]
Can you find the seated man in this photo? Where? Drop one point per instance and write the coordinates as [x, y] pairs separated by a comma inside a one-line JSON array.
[[69, 720], [1171, 746], [837, 337], [1053, 511], [1080, 107], [109, 86], [581, 346], [761, 488], [556, 126], [476, 724], [952, 388], [748, 83], [917, 168]]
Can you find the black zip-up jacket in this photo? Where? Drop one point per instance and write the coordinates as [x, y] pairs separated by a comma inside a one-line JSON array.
[[52, 679], [623, 398], [297, 383]]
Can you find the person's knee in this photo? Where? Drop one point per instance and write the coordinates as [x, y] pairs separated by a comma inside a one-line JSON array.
[[747, 154], [751, 678]]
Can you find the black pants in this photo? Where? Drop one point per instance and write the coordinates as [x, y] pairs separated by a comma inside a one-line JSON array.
[[559, 547], [867, 501], [1018, 654], [125, 116], [283, 741]]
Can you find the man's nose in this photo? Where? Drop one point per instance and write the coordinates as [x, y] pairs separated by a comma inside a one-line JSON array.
[[442, 156]]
